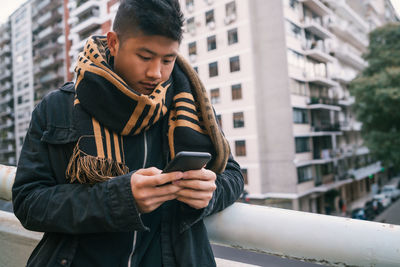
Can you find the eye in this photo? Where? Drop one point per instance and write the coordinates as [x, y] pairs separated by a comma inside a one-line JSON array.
[[166, 62], [144, 58]]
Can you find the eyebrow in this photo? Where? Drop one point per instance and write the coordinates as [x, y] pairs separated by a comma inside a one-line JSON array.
[[144, 49]]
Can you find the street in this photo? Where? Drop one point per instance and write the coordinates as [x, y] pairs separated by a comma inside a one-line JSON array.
[[391, 214]]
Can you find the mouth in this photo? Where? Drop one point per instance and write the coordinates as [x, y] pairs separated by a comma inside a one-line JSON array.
[[148, 86]]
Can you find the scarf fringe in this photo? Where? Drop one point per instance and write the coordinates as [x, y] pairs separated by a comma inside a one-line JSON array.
[[88, 169]]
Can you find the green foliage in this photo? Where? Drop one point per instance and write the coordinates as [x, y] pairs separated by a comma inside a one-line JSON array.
[[377, 94]]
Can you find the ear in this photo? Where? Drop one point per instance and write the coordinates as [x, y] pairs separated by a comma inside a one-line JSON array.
[[113, 42]]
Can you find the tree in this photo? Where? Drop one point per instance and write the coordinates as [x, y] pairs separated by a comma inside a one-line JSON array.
[[377, 95]]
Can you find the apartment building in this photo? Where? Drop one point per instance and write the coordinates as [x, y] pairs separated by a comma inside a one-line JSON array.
[[22, 71], [48, 46], [277, 73], [7, 140], [86, 18]]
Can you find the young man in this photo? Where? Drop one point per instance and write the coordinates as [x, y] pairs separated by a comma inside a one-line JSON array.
[[89, 174]]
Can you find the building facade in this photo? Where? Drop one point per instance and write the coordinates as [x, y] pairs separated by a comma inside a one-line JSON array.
[[23, 89], [277, 73], [7, 126]]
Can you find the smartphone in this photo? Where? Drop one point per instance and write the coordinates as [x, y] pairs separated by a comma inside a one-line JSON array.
[[188, 160]]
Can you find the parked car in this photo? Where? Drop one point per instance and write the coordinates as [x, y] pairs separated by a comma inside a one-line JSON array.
[[373, 208], [391, 191], [385, 201], [358, 213]]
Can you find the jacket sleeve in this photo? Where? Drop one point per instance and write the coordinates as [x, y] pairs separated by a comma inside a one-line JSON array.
[[230, 185], [43, 204]]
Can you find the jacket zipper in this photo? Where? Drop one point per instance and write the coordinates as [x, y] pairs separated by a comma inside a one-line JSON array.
[[135, 233]]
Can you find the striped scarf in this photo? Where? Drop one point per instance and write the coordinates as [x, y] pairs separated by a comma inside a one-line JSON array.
[[106, 109]]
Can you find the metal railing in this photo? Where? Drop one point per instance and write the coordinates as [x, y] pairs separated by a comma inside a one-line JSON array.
[[322, 239]]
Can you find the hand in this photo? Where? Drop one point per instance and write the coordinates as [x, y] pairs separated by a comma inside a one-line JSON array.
[[146, 189], [197, 188]]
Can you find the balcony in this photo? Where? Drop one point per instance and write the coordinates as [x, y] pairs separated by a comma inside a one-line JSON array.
[[317, 6], [5, 37], [315, 26], [5, 74], [6, 49], [350, 56], [321, 80], [87, 24], [347, 101], [366, 171], [44, 18], [51, 76], [326, 127], [342, 9], [8, 124], [317, 51], [7, 111], [323, 103], [6, 61], [47, 49], [344, 76], [7, 86], [45, 6], [84, 7], [349, 33]]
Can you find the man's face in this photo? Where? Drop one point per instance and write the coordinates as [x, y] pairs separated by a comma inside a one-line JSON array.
[[143, 61]]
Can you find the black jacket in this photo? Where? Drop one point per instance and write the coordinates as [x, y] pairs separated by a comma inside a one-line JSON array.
[[68, 213]]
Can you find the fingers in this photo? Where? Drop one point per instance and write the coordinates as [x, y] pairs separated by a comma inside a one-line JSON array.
[[197, 184], [151, 177], [149, 171], [202, 174], [194, 203], [195, 194]]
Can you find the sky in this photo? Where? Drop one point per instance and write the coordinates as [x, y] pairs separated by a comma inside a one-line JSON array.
[[9, 6]]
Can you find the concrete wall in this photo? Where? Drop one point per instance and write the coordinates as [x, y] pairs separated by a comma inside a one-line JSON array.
[[274, 113]]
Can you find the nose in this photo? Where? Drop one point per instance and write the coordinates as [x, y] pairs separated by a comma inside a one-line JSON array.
[[154, 70]]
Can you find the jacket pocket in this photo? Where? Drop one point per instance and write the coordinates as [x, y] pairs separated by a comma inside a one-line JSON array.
[[57, 135]]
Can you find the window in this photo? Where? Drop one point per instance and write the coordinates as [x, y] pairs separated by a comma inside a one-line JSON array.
[[232, 36], [213, 69], [245, 177], [19, 100], [302, 144], [189, 4], [192, 48], [300, 116], [298, 87], [238, 120], [294, 4], [240, 148], [196, 69], [236, 91], [304, 174], [210, 17], [234, 63], [211, 43], [230, 9], [219, 120], [190, 26], [293, 30], [214, 95], [326, 169]]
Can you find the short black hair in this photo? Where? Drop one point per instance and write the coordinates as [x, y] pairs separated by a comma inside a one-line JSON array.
[[149, 17]]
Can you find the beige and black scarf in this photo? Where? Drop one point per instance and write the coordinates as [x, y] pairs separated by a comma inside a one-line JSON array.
[[106, 109]]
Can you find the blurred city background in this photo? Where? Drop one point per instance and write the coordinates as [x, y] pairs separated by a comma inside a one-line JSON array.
[[278, 73]]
